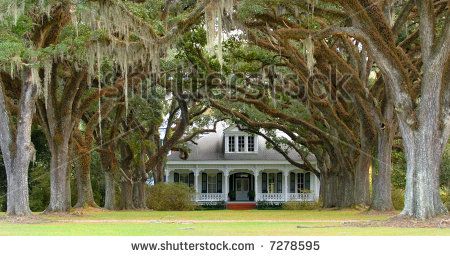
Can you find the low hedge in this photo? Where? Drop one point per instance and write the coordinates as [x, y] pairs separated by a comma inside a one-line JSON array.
[[265, 205], [295, 205], [212, 206]]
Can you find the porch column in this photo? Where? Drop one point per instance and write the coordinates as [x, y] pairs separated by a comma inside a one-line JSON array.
[[286, 185], [166, 175], [196, 174], [226, 174], [256, 174]]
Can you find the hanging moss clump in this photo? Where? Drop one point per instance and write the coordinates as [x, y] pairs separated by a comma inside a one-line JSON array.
[[309, 51], [214, 25]]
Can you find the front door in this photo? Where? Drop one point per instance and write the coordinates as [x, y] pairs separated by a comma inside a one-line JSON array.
[[242, 188]]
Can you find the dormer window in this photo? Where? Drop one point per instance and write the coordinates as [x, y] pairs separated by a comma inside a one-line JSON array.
[[240, 143], [251, 143], [231, 144]]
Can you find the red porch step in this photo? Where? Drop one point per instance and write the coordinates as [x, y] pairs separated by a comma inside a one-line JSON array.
[[241, 206]]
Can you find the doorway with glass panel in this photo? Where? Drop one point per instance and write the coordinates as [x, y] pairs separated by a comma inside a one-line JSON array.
[[241, 186]]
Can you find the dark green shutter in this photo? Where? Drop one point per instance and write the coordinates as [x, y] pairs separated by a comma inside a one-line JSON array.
[[264, 182], [219, 183], [204, 183], [176, 177], [280, 182], [191, 179], [292, 182], [308, 181], [231, 184]]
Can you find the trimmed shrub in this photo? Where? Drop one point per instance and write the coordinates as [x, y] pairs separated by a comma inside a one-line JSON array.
[[170, 197], [398, 198], [295, 205], [212, 206], [264, 205]]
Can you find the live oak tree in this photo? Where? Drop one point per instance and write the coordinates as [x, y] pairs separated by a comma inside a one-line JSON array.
[[27, 33], [416, 78], [369, 23], [126, 39]]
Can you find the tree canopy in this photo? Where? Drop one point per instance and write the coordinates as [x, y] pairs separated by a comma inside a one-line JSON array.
[[357, 89]]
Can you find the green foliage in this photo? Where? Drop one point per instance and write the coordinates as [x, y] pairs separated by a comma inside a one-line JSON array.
[[147, 111], [170, 197], [39, 186], [264, 205], [445, 196], [97, 179], [248, 8], [398, 198], [445, 168], [39, 175], [398, 169], [295, 205], [212, 206]]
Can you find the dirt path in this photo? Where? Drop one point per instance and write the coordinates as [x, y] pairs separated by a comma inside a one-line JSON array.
[[206, 221]]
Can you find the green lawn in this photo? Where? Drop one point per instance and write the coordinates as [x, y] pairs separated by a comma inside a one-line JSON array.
[[230, 215], [207, 223]]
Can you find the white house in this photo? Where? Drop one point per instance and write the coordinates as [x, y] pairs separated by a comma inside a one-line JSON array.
[[231, 165]]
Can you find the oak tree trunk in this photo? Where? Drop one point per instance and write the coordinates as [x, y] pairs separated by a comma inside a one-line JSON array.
[[110, 191], [141, 184], [60, 200], [424, 146], [108, 162], [364, 162], [140, 195], [381, 176], [84, 185], [126, 202], [17, 154], [338, 189], [362, 189], [423, 160]]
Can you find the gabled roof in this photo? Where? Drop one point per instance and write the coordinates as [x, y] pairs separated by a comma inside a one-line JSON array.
[[211, 147]]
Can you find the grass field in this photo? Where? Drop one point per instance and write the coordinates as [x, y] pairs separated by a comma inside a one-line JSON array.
[[223, 222]]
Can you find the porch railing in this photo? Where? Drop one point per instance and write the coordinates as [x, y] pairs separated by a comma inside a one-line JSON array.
[[271, 197], [210, 197], [301, 196], [280, 197]]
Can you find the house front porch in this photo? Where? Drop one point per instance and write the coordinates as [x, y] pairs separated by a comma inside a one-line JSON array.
[[269, 182]]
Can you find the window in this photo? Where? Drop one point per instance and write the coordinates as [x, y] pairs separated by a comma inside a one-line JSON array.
[[271, 185], [251, 143], [212, 183], [231, 144], [184, 178], [303, 182], [241, 143]]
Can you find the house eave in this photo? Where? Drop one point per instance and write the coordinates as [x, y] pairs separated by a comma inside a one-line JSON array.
[[228, 162]]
